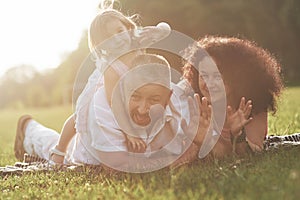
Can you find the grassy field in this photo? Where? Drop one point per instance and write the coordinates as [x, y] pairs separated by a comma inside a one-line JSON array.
[[271, 175]]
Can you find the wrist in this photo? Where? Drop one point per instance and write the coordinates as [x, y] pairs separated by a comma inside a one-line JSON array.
[[197, 143], [60, 148], [192, 141], [56, 151], [240, 137]]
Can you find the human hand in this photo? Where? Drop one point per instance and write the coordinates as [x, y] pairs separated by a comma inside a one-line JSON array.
[[151, 34], [200, 117], [238, 119], [135, 144], [204, 120]]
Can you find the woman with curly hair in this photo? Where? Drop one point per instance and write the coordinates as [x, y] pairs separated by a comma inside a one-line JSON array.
[[251, 78]]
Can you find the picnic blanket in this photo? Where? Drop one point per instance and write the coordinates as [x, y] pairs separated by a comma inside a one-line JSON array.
[[35, 164], [276, 142]]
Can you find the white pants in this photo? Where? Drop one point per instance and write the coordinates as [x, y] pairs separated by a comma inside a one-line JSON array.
[[40, 139]]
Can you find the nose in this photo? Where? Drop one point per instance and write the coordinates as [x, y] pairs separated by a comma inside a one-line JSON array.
[[210, 82], [143, 107]]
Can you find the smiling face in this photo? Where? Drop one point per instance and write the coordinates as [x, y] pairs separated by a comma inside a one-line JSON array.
[[117, 36], [210, 80], [143, 98]]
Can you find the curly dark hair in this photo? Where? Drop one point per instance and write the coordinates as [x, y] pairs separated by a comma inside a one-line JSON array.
[[247, 69]]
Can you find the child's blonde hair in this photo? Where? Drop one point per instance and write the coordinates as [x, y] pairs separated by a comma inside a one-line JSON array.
[[97, 32], [148, 58]]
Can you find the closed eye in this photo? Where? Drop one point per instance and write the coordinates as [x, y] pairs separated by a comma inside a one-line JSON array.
[[155, 100], [135, 97]]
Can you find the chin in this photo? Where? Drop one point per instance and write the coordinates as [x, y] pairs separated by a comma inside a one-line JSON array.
[[142, 124]]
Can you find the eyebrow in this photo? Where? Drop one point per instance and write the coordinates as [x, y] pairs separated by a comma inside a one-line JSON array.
[[156, 95], [135, 92]]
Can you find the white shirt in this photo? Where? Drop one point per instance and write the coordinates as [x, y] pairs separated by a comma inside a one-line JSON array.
[[105, 135]]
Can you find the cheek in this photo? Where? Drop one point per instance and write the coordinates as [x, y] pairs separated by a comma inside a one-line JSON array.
[[202, 85], [131, 106]]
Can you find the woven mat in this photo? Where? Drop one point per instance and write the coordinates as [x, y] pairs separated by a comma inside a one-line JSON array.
[[32, 164], [273, 142]]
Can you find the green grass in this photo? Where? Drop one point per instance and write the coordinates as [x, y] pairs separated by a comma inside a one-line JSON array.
[[272, 175]]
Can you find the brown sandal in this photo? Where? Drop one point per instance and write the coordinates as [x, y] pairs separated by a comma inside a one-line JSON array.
[[20, 135]]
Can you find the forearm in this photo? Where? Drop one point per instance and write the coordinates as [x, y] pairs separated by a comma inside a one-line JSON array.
[[256, 131], [67, 133]]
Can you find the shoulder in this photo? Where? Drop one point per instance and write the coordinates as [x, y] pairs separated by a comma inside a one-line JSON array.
[[182, 88]]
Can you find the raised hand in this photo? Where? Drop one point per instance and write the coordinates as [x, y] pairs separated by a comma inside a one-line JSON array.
[[204, 120], [151, 34], [135, 144], [200, 118], [241, 117]]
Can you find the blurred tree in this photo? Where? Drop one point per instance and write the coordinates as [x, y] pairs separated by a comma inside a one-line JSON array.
[[24, 85], [66, 72], [273, 24], [14, 83]]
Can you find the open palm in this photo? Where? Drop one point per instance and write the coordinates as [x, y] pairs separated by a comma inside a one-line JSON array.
[[241, 117]]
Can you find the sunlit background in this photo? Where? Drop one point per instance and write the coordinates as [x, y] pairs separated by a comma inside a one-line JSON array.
[[43, 43], [41, 32]]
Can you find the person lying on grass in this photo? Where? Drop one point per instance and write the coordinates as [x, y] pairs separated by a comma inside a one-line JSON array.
[[140, 107], [250, 77]]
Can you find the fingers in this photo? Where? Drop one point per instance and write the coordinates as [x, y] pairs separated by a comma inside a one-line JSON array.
[[248, 111], [247, 121], [130, 146], [203, 104], [148, 31], [197, 104], [242, 103], [229, 111], [148, 35], [245, 107], [209, 112], [202, 107], [249, 102], [136, 145], [143, 146], [133, 145]]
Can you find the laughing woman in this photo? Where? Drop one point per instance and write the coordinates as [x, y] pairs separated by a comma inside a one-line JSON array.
[[252, 83]]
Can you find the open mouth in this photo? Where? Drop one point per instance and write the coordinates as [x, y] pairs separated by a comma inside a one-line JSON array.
[[141, 120]]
